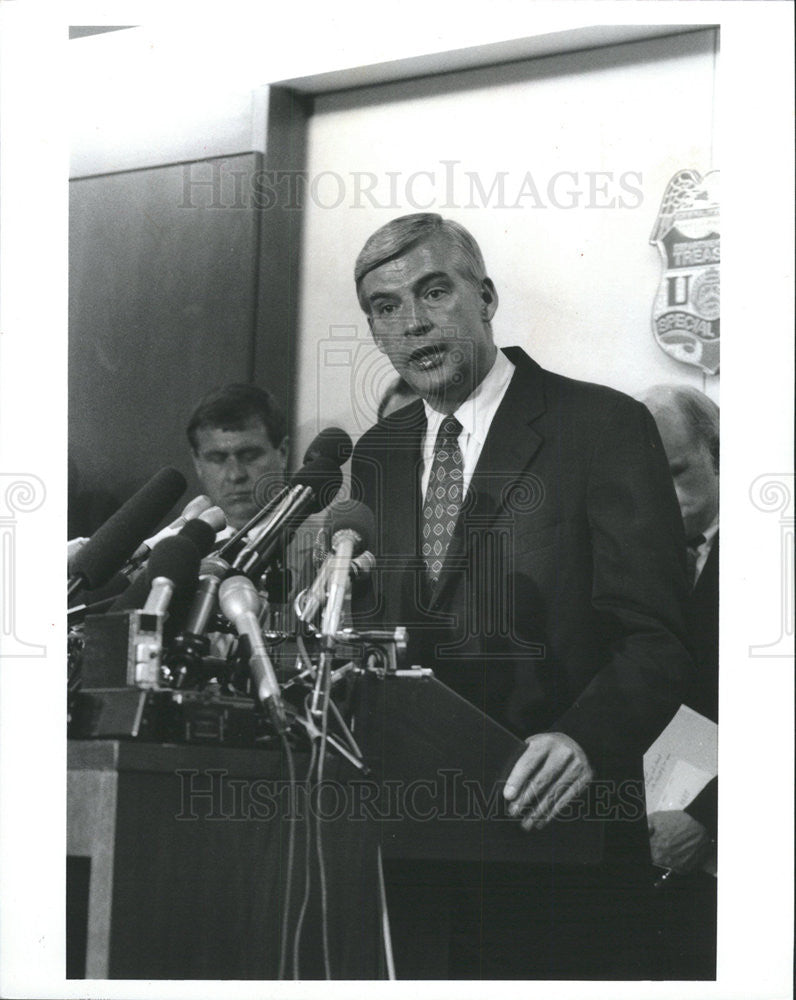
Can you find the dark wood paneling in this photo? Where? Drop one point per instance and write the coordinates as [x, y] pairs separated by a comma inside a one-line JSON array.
[[163, 284]]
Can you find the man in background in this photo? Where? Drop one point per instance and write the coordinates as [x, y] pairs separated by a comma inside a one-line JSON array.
[[239, 447], [684, 840], [238, 442]]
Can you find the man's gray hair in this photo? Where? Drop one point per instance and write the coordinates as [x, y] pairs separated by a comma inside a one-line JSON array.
[[395, 238], [700, 413]]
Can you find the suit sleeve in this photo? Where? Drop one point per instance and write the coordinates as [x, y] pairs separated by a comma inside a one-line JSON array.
[[638, 594]]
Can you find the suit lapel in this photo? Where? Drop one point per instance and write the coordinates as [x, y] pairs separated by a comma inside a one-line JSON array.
[[401, 468], [509, 448]]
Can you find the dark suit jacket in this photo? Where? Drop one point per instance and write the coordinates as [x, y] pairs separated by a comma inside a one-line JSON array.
[[703, 615], [703, 697], [561, 604]]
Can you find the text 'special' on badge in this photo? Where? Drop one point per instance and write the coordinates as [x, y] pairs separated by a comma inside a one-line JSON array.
[[685, 314]]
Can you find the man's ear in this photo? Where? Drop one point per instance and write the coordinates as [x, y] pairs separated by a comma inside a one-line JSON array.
[[489, 297]]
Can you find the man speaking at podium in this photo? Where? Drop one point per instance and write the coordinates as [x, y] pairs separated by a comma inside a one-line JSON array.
[[530, 540]]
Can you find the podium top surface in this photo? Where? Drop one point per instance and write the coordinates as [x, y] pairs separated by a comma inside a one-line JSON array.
[[164, 758]]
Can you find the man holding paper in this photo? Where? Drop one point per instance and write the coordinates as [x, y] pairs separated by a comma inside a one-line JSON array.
[[683, 841]]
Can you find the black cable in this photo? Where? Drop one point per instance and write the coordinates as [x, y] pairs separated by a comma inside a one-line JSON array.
[[291, 843], [325, 666], [307, 850]]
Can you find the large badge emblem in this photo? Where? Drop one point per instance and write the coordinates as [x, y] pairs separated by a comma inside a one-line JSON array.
[[686, 313]]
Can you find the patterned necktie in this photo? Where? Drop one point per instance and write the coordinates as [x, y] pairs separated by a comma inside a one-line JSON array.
[[692, 557], [443, 499]]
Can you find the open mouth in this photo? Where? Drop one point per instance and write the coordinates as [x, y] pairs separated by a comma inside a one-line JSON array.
[[428, 357]]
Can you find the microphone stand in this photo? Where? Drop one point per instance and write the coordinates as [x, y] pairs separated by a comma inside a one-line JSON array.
[[354, 755]]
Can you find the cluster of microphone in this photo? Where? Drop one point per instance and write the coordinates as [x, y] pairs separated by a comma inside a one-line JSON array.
[[181, 575]]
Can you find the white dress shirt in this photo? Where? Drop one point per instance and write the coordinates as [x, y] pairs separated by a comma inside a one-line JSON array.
[[475, 415]]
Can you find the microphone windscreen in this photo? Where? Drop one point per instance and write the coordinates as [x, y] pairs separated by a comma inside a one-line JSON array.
[[200, 533], [196, 506], [323, 477], [215, 517], [175, 558], [332, 443], [135, 596], [111, 545], [355, 516]]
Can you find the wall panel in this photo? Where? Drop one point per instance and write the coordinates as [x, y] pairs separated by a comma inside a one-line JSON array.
[[161, 308]]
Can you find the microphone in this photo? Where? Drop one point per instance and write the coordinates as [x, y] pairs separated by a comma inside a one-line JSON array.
[[353, 527], [332, 443], [191, 644], [112, 544], [212, 570], [202, 530], [314, 486], [240, 603], [73, 546], [359, 571], [233, 545], [315, 595], [193, 509], [199, 533], [173, 565], [362, 567]]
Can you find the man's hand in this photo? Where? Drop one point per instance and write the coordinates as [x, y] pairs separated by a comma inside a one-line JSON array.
[[677, 840], [552, 771]]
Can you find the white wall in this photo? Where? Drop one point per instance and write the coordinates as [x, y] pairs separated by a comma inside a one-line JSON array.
[[141, 98], [577, 283]]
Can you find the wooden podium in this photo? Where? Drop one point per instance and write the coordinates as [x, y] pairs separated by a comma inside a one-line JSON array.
[[178, 854], [448, 762], [453, 857], [177, 865]]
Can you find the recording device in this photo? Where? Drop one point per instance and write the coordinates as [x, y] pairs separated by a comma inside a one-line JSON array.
[[240, 603], [122, 650], [125, 646]]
